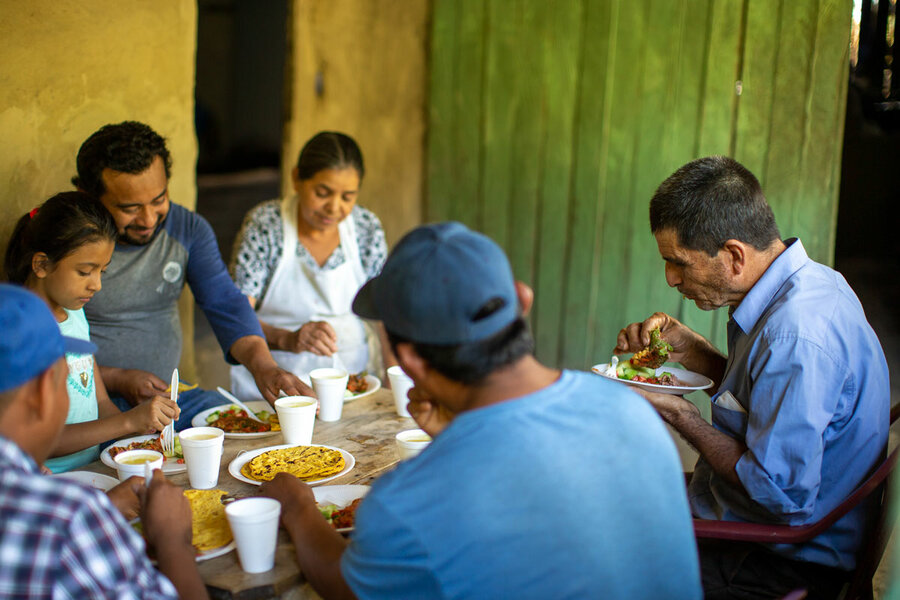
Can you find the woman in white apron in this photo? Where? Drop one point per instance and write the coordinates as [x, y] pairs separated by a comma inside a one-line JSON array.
[[301, 260]]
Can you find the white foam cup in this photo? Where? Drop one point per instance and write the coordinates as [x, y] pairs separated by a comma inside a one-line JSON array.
[[329, 385], [254, 523], [400, 386], [297, 416], [139, 457], [411, 442], [202, 447]]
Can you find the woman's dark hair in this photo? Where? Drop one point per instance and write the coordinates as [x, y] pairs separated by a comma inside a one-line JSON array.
[[471, 363], [57, 228], [329, 150], [127, 147], [710, 201]]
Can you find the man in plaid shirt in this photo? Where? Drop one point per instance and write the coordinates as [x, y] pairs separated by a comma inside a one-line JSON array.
[[60, 539]]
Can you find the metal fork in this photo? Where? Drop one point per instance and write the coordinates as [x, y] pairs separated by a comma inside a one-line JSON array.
[[167, 436]]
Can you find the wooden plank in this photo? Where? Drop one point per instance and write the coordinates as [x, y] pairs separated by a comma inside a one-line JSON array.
[[583, 253], [440, 160], [467, 94], [610, 302], [757, 84], [561, 46], [526, 140], [502, 73], [815, 214]]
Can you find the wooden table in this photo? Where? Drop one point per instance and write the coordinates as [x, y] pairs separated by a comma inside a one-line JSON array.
[[366, 429]]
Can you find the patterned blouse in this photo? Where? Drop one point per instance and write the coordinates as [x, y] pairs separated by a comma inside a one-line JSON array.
[[258, 246]]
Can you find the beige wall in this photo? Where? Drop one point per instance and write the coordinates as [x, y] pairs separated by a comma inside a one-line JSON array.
[[68, 67], [370, 57]]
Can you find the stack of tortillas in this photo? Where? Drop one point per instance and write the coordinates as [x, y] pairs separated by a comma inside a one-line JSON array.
[[308, 463], [208, 523]]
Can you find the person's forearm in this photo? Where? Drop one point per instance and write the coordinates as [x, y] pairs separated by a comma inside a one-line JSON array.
[[721, 451], [276, 337], [78, 436], [177, 562], [706, 359], [252, 352], [319, 548]]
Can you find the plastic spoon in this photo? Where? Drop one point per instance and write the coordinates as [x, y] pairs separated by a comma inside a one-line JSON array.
[[246, 408]]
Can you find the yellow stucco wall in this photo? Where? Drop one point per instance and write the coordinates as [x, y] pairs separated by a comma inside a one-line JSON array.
[[359, 66], [67, 67]]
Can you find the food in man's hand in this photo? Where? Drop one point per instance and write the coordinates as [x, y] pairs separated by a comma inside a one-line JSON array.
[[309, 463], [209, 525], [151, 444], [340, 518], [235, 420], [654, 355], [357, 384]]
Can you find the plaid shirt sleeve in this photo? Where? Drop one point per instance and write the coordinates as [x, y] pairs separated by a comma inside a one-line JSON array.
[[105, 557]]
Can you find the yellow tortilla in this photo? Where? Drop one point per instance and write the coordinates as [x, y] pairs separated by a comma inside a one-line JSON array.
[[309, 463], [208, 523]]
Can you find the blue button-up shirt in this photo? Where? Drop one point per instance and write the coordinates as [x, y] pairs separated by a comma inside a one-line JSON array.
[[60, 539], [812, 381]]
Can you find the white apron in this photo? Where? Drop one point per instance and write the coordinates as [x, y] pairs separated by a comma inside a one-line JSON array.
[[298, 294]]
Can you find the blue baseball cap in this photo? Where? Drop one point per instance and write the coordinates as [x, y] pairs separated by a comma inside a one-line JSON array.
[[31, 341], [443, 284]]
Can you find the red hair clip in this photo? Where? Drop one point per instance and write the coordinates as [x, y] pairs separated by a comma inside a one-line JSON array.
[[33, 212]]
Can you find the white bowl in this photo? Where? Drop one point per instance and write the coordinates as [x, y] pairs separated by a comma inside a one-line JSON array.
[[411, 442], [140, 458]]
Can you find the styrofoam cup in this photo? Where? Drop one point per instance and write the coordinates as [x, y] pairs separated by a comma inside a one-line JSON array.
[[254, 523], [297, 416], [411, 442], [329, 385], [202, 447], [143, 456], [400, 386]]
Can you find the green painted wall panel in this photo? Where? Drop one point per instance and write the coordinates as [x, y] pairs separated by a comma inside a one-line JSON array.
[[551, 124]]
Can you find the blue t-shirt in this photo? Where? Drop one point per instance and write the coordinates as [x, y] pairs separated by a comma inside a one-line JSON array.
[[575, 491], [812, 379], [82, 393], [134, 318]]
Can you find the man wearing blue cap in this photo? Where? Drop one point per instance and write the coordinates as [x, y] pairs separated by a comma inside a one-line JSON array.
[[539, 483], [59, 538]]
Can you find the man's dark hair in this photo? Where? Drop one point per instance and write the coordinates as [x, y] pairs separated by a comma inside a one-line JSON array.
[[127, 147], [57, 228], [710, 201], [472, 362], [329, 150]]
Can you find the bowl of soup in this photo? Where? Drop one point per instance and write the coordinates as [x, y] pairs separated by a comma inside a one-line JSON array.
[[133, 462], [411, 442]]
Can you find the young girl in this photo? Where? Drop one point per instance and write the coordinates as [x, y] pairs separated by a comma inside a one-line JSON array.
[[59, 251]]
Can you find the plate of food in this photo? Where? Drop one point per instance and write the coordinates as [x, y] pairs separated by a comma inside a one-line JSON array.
[[338, 504], [95, 480], [313, 464], [171, 464], [210, 534], [233, 420], [667, 380], [359, 385]]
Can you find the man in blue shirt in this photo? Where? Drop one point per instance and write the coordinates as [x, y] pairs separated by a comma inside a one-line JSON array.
[[801, 403], [538, 484], [161, 247]]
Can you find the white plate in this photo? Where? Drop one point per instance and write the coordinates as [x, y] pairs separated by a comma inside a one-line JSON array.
[[340, 496], [169, 465], [692, 381], [214, 553], [95, 480], [234, 467], [199, 419], [374, 386]]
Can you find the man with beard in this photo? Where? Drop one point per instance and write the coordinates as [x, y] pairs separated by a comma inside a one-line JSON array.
[[161, 246], [800, 406]]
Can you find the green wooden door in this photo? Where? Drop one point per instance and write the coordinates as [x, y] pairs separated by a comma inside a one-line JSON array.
[[550, 124]]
